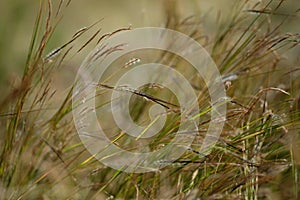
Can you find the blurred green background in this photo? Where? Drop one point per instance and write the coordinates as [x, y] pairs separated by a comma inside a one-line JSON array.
[[17, 21]]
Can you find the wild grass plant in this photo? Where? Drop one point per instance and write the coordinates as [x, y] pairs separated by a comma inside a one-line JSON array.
[[256, 157]]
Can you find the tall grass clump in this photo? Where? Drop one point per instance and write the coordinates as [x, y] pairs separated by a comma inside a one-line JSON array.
[[256, 157]]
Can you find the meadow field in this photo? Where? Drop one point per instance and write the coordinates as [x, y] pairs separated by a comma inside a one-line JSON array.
[[255, 47]]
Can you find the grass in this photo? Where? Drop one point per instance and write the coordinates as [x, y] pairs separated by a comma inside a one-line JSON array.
[[256, 157]]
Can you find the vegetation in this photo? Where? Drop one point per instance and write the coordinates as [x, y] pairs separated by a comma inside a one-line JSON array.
[[256, 157]]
